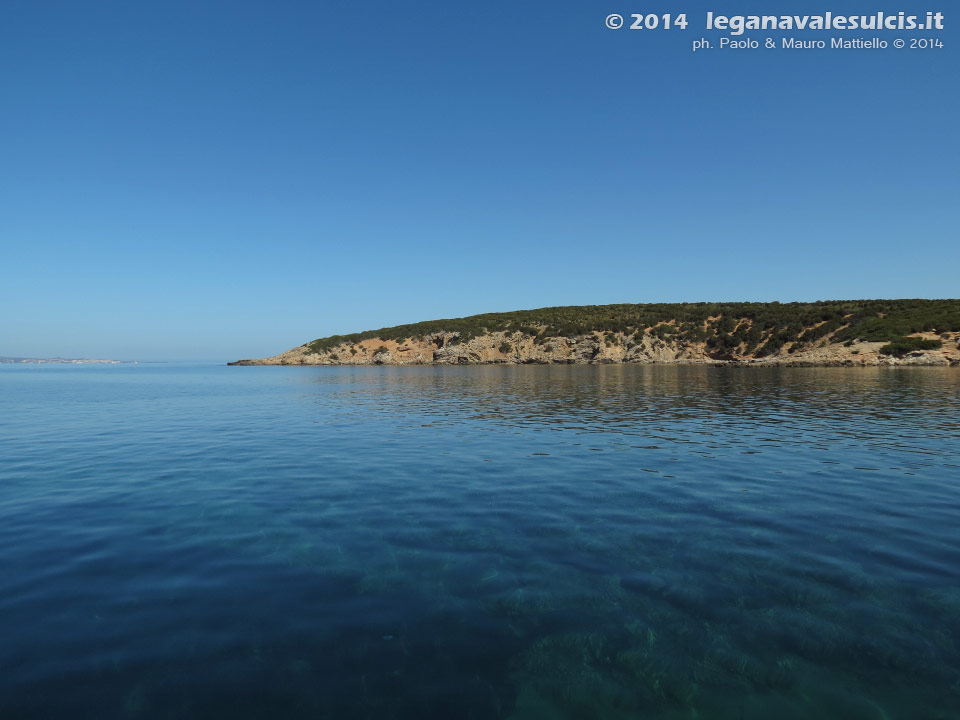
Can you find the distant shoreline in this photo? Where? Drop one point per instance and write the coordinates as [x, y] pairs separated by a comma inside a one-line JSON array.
[[64, 361]]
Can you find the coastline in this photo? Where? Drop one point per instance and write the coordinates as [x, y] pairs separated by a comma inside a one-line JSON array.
[[447, 348]]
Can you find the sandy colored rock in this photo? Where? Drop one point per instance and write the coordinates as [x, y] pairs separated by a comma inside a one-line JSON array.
[[446, 348]]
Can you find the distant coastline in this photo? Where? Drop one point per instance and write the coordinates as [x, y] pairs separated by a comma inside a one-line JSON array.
[[64, 361], [829, 333]]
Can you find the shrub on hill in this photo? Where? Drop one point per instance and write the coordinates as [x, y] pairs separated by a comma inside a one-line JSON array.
[[902, 346]]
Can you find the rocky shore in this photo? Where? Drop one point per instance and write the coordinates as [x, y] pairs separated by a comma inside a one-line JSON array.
[[449, 348]]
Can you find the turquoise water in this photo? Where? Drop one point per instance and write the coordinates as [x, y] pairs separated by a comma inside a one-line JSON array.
[[480, 542]]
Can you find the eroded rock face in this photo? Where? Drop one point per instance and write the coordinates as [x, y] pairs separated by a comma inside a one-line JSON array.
[[591, 348]]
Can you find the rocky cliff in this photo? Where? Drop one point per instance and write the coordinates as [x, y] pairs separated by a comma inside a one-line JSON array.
[[452, 348]]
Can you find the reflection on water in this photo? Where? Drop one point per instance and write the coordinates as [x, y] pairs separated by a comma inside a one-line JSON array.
[[481, 542]]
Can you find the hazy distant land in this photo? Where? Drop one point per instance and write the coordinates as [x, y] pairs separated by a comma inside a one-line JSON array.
[[64, 361], [842, 332]]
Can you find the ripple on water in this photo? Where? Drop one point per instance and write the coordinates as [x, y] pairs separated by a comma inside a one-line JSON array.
[[483, 542]]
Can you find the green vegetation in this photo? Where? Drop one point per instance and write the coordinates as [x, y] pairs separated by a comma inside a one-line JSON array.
[[759, 328], [381, 349], [505, 348], [901, 347]]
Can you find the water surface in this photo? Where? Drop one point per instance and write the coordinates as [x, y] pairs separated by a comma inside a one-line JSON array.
[[480, 542]]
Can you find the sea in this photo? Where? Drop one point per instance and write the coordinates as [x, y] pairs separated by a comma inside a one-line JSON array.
[[518, 542]]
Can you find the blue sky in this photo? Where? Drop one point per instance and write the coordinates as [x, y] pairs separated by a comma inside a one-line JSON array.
[[229, 179]]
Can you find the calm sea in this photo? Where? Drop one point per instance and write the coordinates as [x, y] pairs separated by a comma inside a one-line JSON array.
[[483, 542]]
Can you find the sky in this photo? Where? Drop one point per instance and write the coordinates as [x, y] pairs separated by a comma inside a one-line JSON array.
[[222, 180]]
